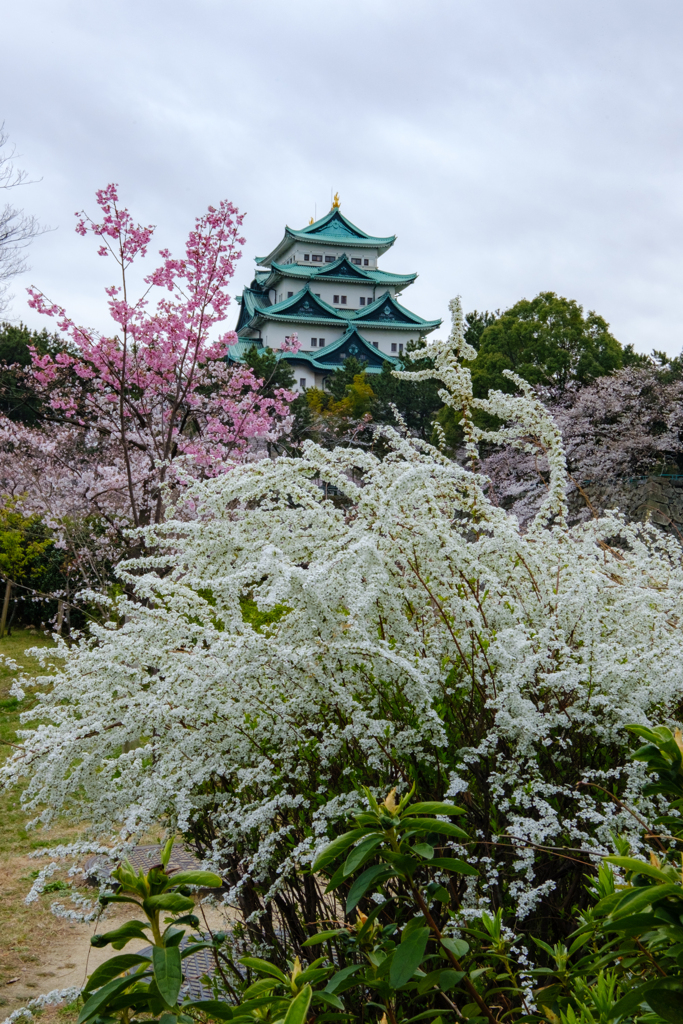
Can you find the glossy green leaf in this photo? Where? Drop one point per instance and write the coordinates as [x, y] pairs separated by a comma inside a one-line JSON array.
[[172, 936], [315, 940], [642, 867], [458, 947], [341, 976], [408, 957], [441, 828], [120, 936], [337, 846], [434, 807], [424, 850], [97, 1002], [444, 979], [213, 1007], [206, 879], [667, 1004], [377, 873], [637, 899], [166, 852], [171, 901], [168, 973], [328, 999], [255, 963], [360, 854], [111, 969], [460, 867], [193, 947], [108, 898], [336, 879], [298, 1008], [258, 988]]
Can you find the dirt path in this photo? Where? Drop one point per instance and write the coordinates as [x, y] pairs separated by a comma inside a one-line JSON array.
[[38, 951], [43, 952]]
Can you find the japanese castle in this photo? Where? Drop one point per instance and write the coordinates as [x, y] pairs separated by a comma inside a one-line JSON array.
[[323, 283]]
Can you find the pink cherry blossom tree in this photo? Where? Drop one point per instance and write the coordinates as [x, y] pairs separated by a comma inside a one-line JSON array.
[[129, 415], [157, 392]]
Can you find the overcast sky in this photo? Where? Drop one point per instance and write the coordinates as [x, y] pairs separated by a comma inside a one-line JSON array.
[[513, 146]]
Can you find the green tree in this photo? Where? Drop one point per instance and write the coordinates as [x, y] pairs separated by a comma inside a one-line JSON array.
[[418, 402], [18, 400], [273, 371], [547, 340], [337, 383], [23, 543], [476, 325]]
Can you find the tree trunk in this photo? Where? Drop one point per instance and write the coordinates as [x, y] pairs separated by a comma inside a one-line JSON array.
[[5, 606], [60, 616]]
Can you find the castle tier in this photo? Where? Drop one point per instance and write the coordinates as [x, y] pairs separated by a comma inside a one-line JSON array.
[[323, 284]]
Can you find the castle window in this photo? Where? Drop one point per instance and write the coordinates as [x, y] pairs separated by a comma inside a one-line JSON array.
[[354, 260], [289, 294], [336, 298], [317, 295], [343, 298], [302, 383], [317, 257], [329, 259], [362, 301], [321, 343], [306, 257], [366, 263], [393, 346], [400, 349], [314, 342], [376, 344]]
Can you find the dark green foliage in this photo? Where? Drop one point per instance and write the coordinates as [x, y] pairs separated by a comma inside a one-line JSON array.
[[337, 383], [418, 402], [17, 398], [629, 357], [273, 371], [547, 340], [476, 325]]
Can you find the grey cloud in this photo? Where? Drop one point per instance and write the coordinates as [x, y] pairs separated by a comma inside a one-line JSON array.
[[512, 146]]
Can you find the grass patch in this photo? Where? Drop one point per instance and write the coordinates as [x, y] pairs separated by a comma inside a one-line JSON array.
[[27, 931], [13, 836]]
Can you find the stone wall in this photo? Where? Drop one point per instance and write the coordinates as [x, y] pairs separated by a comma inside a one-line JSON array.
[[659, 498]]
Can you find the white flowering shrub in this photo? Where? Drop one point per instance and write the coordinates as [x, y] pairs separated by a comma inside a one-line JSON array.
[[285, 648]]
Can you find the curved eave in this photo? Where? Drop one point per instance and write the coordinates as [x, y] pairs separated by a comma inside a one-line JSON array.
[[381, 244], [370, 277], [316, 364], [367, 242], [283, 318], [424, 326]]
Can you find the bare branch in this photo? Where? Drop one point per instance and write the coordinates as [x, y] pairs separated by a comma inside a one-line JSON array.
[[17, 229]]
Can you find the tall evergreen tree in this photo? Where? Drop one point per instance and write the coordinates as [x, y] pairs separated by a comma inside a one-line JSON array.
[[547, 340]]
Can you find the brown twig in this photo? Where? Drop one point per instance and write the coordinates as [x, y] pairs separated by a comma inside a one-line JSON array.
[[452, 957], [625, 807]]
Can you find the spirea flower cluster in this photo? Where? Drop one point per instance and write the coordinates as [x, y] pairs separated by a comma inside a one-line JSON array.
[[284, 647]]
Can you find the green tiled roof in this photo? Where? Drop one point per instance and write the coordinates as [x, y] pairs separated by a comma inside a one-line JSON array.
[[342, 270], [250, 301], [302, 308], [332, 229], [352, 343], [237, 353], [306, 308], [386, 312]]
